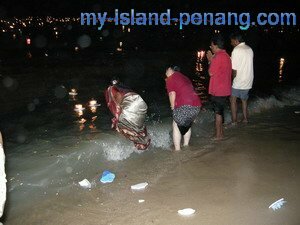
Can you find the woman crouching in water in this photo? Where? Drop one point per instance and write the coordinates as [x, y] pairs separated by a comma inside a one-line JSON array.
[[184, 102], [129, 111]]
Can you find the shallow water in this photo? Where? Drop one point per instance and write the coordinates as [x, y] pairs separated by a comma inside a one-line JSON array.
[[236, 179]]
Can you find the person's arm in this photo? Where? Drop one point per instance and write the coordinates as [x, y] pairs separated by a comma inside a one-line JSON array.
[[172, 97], [234, 62], [233, 73], [213, 66], [209, 56]]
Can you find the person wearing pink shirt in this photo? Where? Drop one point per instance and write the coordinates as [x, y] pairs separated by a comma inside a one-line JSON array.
[[185, 104], [220, 72]]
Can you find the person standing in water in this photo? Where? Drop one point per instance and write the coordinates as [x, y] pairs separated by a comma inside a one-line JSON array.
[[220, 81], [242, 66], [184, 103], [129, 111]]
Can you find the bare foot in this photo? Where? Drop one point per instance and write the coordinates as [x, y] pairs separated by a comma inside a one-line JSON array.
[[230, 125], [245, 121], [216, 138]]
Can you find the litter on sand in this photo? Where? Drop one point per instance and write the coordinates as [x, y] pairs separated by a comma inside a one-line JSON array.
[[277, 205], [107, 177], [139, 186], [297, 112], [141, 200], [85, 183], [186, 212]]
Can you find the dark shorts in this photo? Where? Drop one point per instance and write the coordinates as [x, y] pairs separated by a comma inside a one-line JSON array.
[[219, 103], [185, 115], [240, 93]]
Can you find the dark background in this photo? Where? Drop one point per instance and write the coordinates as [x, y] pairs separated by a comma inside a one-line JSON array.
[[9, 8]]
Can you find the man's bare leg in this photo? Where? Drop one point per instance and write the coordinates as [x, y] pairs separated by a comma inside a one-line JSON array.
[[245, 111], [233, 106], [219, 127], [176, 136]]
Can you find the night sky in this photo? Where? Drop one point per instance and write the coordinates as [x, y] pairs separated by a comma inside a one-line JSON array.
[[10, 8]]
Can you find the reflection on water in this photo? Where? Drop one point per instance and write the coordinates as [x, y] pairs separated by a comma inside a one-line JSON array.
[[85, 116], [201, 77], [281, 68]]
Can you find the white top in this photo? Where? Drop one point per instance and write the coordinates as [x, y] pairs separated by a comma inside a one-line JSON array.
[[2, 180], [242, 62]]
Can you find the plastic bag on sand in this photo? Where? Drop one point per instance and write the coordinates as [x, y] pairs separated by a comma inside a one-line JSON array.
[[107, 177], [139, 186], [186, 212], [277, 205], [85, 183]]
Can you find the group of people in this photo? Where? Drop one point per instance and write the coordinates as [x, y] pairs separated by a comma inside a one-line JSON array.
[[129, 109], [228, 77]]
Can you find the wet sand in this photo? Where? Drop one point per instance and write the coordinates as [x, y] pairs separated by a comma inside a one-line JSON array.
[[229, 182]]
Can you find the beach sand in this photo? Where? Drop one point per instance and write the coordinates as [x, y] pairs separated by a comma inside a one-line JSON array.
[[228, 182]]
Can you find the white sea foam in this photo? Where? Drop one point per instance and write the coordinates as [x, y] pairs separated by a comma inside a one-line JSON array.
[[287, 98], [160, 135]]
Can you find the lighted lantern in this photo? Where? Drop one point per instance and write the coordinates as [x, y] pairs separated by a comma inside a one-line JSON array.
[[28, 41], [73, 92]]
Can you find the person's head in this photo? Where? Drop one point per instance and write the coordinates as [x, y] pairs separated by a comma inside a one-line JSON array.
[[236, 38], [217, 43], [171, 69]]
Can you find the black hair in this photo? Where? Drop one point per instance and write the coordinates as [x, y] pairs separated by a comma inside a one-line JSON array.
[[173, 67], [115, 81], [218, 40], [237, 36]]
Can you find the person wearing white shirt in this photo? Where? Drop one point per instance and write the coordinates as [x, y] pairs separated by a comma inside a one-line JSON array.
[[243, 74], [2, 178]]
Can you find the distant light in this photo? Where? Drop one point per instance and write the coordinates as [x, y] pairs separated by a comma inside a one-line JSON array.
[[76, 49], [73, 92], [93, 103], [201, 54], [281, 64], [28, 41], [128, 30], [82, 121], [78, 107], [121, 43]]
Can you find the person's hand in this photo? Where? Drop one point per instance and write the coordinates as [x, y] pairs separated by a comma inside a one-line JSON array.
[[203, 109], [209, 55], [114, 123]]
